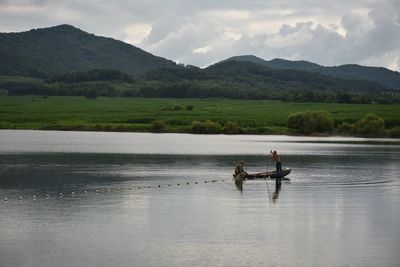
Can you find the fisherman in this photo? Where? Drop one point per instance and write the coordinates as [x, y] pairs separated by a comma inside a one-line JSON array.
[[275, 156], [239, 170]]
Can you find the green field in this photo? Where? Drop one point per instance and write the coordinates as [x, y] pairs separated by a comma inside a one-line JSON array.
[[138, 114]]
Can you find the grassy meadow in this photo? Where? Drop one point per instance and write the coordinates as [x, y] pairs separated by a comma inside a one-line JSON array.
[[139, 114]]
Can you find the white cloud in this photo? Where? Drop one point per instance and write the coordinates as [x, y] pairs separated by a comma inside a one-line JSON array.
[[136, 33], [228, 14], [391, 60], [301, 34], [201, 50]]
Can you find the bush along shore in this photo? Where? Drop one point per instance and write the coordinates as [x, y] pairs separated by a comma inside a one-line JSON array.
[[313, 123], [306, 123], [198, 116], [320, 122]]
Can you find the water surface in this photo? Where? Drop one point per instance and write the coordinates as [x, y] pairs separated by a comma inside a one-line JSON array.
[[169, 200]]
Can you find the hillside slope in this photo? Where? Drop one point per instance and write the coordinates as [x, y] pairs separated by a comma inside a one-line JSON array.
[[64, 48], [383, 76]]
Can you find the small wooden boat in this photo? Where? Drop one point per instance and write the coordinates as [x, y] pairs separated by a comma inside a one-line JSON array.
[[265, 175]]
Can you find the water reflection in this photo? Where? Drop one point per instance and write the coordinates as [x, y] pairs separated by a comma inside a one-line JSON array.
[[239, 186], [277, 185]]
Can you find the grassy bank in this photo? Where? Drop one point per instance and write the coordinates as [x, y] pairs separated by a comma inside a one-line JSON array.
[[177, 115]]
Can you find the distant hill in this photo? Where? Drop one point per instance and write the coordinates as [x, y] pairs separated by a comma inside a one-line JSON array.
[[56, 50], [388, 78], [286, 78], [248, 76], [229, 79]]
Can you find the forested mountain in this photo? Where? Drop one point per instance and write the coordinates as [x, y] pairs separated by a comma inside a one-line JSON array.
[[247, 80], [255, 76], [60, 49], [292, 78], [64, 60], [388, 78]]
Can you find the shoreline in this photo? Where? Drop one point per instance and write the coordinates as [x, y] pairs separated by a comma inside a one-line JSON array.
[[333, 135]]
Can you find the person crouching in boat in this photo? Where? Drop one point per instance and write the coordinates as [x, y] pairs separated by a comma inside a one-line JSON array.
[[239, 170], [275, 157]]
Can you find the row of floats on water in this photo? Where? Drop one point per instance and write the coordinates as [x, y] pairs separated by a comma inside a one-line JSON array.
[[108, 190]]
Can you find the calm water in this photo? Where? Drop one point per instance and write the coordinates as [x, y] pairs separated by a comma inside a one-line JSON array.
[[341, 207]]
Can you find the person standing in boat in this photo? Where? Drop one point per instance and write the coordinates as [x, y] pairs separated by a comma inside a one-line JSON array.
[[275, 157]]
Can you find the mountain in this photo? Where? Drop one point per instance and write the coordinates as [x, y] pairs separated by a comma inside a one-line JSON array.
[[252, 76], [64, 60], [247, 80], [292, 78], [390, 79], [56, 50], [229, 79], [49, 52]]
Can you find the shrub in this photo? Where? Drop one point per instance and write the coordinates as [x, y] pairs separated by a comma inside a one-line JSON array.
[[311, 122], [264, 130], [166, 108], [178, 107], [345, 128], [189, 107], [158, 126], [395, 132], [207, 127], [370, 126], [231, 128]]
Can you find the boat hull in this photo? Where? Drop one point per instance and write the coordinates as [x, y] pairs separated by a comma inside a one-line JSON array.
[[265, 175]]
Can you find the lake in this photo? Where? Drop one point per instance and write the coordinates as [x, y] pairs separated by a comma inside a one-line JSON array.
[[141, 199]]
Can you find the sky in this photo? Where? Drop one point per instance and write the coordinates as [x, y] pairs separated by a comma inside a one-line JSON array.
[[203, 32]]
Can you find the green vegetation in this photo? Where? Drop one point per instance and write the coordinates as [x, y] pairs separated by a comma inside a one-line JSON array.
[[314, 122], [370, 126], [67, 61], [388, 78], [246, 80], [102, 84], [395, 132], [57, 51], [206, 127], [46, 52], [189, 107], [232, 128], [112, 68], [142, 114], [311, 122], [91, 94], [92, 75], [233, 80], [158, 126]]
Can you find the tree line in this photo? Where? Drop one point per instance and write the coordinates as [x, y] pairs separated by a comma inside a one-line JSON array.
[[231, 81]]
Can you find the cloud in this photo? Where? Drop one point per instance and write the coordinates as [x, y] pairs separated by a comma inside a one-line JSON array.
[[363, 35], [136, 33], [204, 32]]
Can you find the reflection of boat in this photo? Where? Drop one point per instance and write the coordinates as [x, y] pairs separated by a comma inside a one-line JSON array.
[[269, 174]]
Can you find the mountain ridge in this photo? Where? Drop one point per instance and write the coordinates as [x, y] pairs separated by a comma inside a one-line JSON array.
[[55, 50], [381, 75], [52, 51]]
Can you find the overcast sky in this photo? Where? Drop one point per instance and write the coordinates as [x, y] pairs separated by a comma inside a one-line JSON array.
[[202, 32]]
